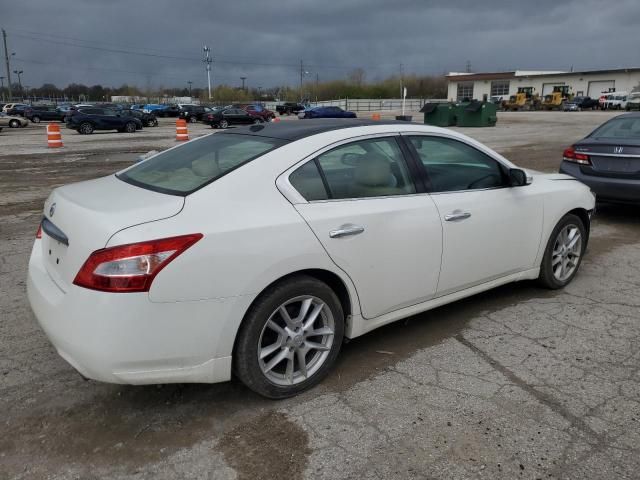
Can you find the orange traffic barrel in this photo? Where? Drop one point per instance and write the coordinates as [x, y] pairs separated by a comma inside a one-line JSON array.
[[182, 132], [54, 137], [375, 116]]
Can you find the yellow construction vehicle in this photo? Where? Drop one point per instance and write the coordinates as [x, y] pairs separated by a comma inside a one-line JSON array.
[[556, 99], [525, 99]]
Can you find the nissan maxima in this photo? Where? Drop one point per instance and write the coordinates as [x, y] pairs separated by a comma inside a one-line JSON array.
[[608, 160], [256, 252]]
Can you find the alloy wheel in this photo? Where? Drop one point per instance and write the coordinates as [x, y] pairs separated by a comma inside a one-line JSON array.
[[296, 340], [566, 252]]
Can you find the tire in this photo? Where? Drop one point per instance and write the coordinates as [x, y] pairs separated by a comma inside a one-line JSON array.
[[556, 275], [153, 122], [35, 119], [14, 124], [130, 127], [279, 374], [85, 128], [223, 123], [193, 119]]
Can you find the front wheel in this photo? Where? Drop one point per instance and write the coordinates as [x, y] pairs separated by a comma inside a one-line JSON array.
[[130, 127], [14, 124], [35, 119], [564, 252], [224, 123], [85, 128], [290, 338]]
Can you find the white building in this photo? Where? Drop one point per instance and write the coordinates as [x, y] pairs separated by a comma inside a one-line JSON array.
[[589, 83]]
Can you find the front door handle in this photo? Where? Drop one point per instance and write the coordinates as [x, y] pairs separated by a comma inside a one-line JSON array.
[[456, 215], [346, 230]]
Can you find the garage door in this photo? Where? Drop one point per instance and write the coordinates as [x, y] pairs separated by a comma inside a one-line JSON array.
[[596, 88], [547, 88]]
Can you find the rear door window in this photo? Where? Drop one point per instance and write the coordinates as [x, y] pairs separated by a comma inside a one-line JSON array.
[[183, 170]]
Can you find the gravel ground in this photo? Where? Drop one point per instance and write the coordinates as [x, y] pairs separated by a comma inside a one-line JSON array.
[[517, 382]]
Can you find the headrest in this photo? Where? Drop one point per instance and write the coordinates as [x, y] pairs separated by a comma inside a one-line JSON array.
[[205, 167], [373, 170]]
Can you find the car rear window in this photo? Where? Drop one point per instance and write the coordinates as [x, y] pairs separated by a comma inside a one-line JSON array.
[[183, 170], [622, 128]]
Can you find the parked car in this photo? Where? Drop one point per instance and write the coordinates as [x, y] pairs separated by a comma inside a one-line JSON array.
[[168, 111], [147, 119], [328, 112], [87, 119], [193, 113], [15, 109], [153, 108], [257, 110], [580, 103], [47, 113], [603, 100], [608, 159], [12, 121], [288, 108], [633, 102], [236, 227], [617, 101], [226, 117]]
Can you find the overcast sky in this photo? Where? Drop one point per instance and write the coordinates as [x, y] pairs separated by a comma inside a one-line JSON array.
[[264, 40]]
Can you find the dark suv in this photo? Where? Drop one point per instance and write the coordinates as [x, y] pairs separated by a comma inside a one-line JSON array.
[[38, 113], [193, 113], [87, 119]]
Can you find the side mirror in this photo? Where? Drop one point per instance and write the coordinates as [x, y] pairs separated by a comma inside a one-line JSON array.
[[519, 177]]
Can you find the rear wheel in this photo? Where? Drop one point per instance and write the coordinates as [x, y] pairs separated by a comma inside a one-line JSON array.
[[564, 252], [35, 119], [290, 338], [130, 127], [224, 123], [85, 128], [14, 124]]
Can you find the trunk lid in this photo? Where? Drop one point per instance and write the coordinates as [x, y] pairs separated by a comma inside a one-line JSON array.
[[88, 214], [611, 157]]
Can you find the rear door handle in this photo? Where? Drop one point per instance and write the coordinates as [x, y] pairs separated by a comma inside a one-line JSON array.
[[456, 215], [346, 230]]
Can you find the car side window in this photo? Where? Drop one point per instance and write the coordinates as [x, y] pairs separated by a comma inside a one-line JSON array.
[[453, 166], [308, 182], [362, 169]]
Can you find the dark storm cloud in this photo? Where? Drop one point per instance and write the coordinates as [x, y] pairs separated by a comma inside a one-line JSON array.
[[265, 40]]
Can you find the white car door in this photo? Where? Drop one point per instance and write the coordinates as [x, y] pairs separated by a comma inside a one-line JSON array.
[[364, 208], [490, 229]]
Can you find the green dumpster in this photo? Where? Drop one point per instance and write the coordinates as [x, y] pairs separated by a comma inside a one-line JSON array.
[[476, 114], [439, 114]]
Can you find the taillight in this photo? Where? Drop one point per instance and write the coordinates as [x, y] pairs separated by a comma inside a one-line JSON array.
[[570, 155], [131, 267], [39, 231]]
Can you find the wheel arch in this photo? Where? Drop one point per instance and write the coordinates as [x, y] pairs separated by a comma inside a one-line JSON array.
[[348, 301], [584, 216]]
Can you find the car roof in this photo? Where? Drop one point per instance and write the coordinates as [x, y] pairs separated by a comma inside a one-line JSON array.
[[295, 130]]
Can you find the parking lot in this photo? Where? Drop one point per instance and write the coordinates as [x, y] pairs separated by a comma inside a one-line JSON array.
[[518, 382]]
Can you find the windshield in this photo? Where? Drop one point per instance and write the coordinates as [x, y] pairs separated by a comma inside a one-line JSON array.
[[620, 128], [183, 170]]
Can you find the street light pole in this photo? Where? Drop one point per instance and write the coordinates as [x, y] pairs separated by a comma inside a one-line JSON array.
[[2, 87], [208, 61], [243, 79], [189, 82], [19, 72]]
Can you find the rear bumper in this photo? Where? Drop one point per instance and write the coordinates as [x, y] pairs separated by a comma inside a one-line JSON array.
[[606, 188], [126, 338]]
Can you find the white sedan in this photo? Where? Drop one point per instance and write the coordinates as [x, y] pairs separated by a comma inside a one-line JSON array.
[[258, 250]]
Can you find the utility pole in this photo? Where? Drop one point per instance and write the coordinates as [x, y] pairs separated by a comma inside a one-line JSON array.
[[6, 60], [468, 69], [2, 87], [189, 82], [208, 61]]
